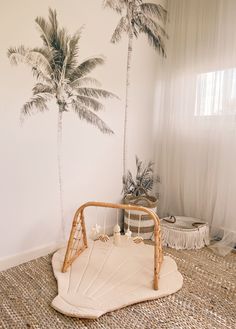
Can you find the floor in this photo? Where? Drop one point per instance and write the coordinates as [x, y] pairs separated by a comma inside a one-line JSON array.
[[206, 301]]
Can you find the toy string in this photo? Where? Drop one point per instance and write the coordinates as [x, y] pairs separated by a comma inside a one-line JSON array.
[[104, 224], [129, 220], [139, 223]]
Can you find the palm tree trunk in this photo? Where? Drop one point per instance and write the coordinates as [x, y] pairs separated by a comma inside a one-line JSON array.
[[130, 48], [59, 143]]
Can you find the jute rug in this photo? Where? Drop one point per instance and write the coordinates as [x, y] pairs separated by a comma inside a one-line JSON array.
[[206, 301]]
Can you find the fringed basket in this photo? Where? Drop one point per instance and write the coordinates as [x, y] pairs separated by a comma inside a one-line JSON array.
[[184, 233], [146, 223]]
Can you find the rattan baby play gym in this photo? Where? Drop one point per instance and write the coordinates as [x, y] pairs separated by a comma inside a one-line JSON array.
[[96, 277]]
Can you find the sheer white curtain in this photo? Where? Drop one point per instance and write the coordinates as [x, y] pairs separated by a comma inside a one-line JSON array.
[[196, 116]]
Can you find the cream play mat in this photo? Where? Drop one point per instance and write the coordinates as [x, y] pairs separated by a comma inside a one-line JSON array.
[[105, 278]]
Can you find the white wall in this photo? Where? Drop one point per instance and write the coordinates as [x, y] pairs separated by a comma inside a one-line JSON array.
[[92, 162]]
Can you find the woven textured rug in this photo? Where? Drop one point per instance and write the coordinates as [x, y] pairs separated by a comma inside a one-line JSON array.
[[206, 301]]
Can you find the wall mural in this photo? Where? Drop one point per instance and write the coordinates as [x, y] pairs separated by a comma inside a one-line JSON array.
[[137, 17], [61, 78]]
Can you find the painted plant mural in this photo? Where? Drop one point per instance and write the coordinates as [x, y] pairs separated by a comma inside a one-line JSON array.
[[137, 17], [60, 77]]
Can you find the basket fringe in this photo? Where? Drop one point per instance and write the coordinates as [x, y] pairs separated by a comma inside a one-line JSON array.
[[185, 239]]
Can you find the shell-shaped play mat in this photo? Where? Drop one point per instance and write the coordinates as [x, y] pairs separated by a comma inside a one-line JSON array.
[[107, 277]]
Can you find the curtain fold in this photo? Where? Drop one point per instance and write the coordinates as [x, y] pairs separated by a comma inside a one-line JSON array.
[[195, 126]]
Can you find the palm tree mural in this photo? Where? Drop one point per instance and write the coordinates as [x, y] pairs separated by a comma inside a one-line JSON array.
[[137, 18], [62, 78]]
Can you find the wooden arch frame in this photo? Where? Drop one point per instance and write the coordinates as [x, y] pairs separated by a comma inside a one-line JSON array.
[[73, 252]]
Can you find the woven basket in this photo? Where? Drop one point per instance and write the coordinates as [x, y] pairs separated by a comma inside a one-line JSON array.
[[185, 233], [146, 224]]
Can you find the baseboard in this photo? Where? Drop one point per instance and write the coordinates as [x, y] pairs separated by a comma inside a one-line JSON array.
[[28, 255], [14, 260]]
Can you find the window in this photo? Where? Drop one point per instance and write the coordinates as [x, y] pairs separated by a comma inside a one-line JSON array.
[[216, 93]]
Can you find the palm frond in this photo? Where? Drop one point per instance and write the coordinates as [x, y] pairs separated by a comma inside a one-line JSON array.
[[129, 184], [53, 20], [74, 43], [148, 185], [73, 48], [47, 53], [38, 59], [143, 182], [154, 10], [121, 28], [146, 173], [130, 177], [90, 102], [95, 92], [60, 42], [36, 103], [32, 57], [45, 30], [155, 40], [49, 30], [138, 166], [63, 79], [84, 81], [17, 55], [86, 67], [87, 115], [156, 28], [161, 31], [117, 5], [41, 76], [42, 88], [55, 39]]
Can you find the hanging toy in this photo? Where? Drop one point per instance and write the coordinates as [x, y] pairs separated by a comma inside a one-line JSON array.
[[104, 237], [138, 238], [95, 231], [128, 233], [116, 231]]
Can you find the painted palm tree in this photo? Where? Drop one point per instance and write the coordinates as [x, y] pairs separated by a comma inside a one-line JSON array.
[[61, 78], [137, 18]]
